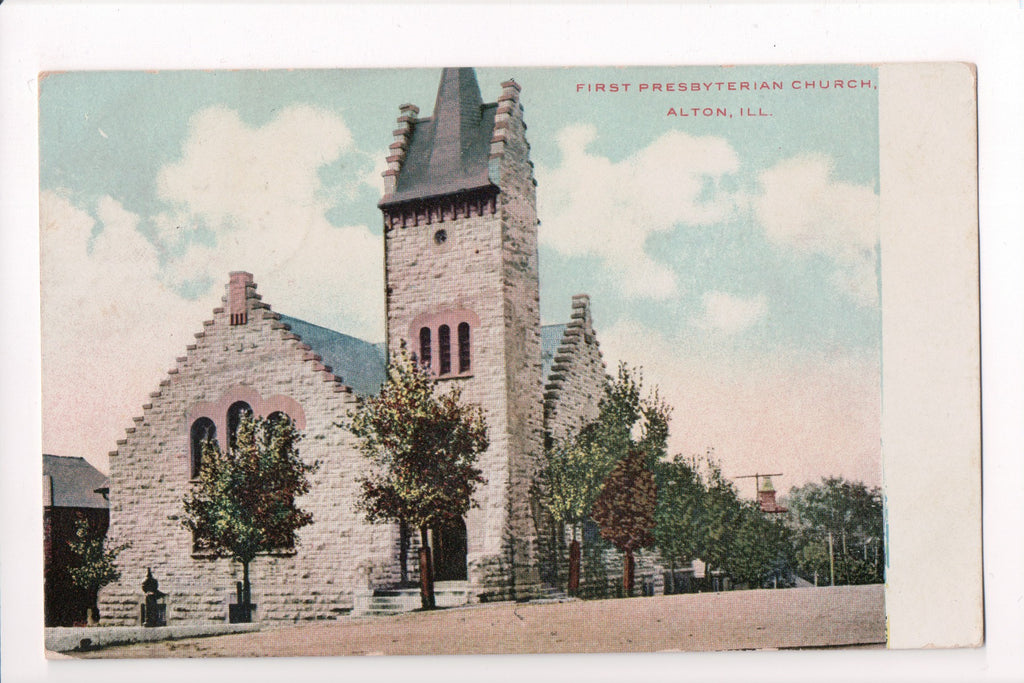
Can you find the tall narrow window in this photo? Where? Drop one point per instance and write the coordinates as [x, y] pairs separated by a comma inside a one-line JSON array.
[[444, 350], [463, 347], [425, 347], [202, 430], [235, 413]]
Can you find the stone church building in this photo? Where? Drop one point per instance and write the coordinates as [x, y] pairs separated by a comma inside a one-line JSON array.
[[461, 278]]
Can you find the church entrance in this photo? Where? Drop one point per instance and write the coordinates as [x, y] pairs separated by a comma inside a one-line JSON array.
[[450, 552]]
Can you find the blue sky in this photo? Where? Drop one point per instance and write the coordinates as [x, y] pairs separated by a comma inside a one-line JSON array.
[[734, 258]]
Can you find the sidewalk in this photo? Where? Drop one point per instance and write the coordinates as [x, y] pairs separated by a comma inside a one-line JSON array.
[[735, 620]]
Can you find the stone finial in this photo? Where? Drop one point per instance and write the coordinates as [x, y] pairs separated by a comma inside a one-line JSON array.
[[237, 294]]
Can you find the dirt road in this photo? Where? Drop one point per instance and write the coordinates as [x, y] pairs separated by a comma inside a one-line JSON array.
[[737, 620]]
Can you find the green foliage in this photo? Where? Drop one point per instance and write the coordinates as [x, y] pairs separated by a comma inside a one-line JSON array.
[[424, 446], [575, 469], [680, 516], [849, 513], [721, 517], [627, 420], [760, 547], [624, 509], [570, 482], [244, 501], [92, 565]]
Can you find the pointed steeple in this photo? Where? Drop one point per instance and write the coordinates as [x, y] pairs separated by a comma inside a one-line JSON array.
[[456, 120], [448, 152]]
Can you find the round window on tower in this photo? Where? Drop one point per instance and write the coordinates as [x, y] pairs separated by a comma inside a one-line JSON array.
[[440, 237]]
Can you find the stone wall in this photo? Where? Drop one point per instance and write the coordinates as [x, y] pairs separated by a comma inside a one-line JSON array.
[[150, 474], [577, 378], [522, 330]]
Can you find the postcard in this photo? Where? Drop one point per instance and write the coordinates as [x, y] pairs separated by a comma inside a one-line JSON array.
[[509, 360]]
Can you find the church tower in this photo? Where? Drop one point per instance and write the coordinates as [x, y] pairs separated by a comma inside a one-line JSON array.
[[460, 245]]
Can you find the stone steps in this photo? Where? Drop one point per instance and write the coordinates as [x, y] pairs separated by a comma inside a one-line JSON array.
[[388, 602]]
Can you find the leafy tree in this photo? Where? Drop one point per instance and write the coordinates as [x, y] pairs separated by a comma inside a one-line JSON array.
[[575, 469], [759, 548], [625, 508], [837, 531], [721, 516], [244, 501], [425, 447], [680, 514], [92, 565], [569, 484]]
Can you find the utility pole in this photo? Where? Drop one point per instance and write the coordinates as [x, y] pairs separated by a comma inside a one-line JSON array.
[[831, 560]]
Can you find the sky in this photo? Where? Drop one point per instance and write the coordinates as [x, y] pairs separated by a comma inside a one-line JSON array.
[[734, 257]]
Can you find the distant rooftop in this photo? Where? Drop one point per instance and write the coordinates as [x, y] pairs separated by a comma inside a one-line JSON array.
[[360, 364], [71, 482], [550, 340]]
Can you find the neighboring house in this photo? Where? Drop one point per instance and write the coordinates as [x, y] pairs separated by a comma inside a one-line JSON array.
[[73, 490], [462, 294]]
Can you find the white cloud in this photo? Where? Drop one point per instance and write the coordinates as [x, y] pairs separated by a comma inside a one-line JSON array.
[[726, 313], [591, 205], [802, 206], [243, 199], [259, 192], [806, 415], [109, 327]]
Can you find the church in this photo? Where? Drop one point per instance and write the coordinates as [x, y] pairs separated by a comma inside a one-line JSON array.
[[462, 292]]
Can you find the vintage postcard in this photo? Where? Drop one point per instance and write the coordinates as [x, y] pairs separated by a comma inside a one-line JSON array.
[[506, 360]]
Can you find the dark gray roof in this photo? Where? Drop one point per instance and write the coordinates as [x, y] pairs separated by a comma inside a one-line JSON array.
[[550, 340], [70, 482], [360, 364], [450, 151]]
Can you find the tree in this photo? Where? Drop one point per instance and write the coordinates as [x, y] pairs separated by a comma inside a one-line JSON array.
[[575, 468], [569, 484], [759, 548], [244, 503], [680, 514], [721, 517], [625, 510], [92, 565], [837, 528], [425, 447]]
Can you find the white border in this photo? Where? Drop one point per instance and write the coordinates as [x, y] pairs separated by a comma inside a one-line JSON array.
[[35, 36]]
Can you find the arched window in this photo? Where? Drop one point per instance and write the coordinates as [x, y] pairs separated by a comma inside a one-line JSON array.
[[235, 413], [463, 347], [425, 358], [444, 349], [202, 430], [278, 416]]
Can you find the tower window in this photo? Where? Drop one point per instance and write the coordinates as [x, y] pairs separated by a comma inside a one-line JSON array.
[[463, 347], [202, 430], [440, 237], [425, 358], [444, 350]]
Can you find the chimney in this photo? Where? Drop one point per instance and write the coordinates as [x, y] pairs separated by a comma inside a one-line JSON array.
[[238, 284]]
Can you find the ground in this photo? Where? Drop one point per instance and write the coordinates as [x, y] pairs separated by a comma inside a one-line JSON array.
[[736, 620]]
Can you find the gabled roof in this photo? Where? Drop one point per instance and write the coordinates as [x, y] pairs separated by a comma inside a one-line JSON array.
[[550, 339], [360, 364], [71, 482], [448, 152]]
